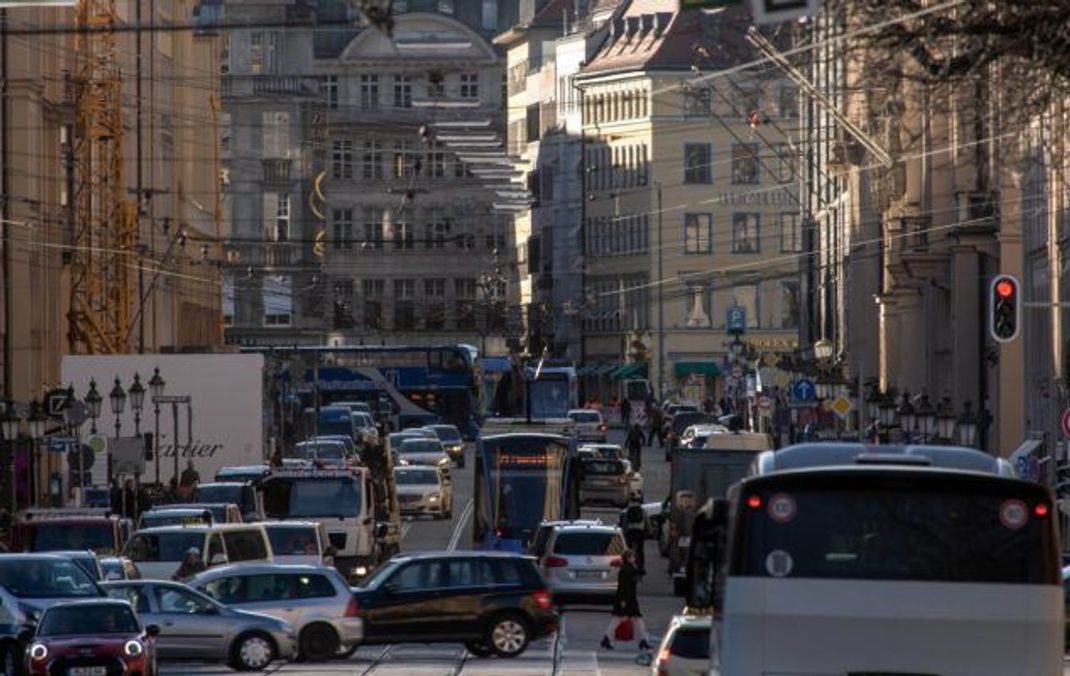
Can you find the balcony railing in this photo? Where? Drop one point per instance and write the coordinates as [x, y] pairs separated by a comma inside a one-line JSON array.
[[916, 229], [276, 171], [266, 85]]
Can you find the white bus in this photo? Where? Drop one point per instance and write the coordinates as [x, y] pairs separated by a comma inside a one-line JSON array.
[[843, 559]]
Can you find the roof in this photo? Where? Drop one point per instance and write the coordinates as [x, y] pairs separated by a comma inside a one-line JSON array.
[[290, 524], [95, 601], [256, 568], [655, 35], [196, 527], [846, 454], [455, 554]]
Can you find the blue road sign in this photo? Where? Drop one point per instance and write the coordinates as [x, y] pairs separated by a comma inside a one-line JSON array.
[[803, 390], [735, 319]]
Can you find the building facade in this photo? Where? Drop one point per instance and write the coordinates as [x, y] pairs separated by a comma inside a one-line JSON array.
[[352, 222], [692, 205]]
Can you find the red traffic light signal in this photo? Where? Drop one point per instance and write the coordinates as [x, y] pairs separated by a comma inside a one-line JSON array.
[[1004, 309]]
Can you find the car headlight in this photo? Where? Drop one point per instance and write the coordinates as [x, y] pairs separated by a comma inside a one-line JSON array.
[[443, 461], [38, 651], [432, 498], [359, 571], [133, 648]]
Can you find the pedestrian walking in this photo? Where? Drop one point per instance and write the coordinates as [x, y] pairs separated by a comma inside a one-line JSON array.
[[635, 524], [657, 424], [626, 604], [626, 412], [634, 444]]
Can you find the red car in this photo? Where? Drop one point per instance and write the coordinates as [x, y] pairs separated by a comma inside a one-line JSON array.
[[101, 637]]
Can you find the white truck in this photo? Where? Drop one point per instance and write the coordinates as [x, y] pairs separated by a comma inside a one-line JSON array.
[[226, 400]]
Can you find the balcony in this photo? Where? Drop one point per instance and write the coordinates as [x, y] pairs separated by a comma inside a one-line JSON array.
[[276, 171], [269, 85], [916, 231], [280, 254]]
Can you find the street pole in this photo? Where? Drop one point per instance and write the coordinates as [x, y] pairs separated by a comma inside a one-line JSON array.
[[156, 441], [661, 298], [174, 439], [5, 212]]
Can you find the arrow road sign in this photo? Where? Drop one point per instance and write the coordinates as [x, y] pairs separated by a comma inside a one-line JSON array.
[[803, 390]]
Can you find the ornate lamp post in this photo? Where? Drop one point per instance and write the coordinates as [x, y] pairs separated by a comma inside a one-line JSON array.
[[907, 418], [156, 387], [945, 420], [38, 422], [968, 425], [10, 424], [93, 400], [118, 404], [137, 400], [887, 410], [926, 418]]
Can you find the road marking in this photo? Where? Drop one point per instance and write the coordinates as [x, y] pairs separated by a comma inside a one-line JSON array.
[[382, 656], [462, 521]]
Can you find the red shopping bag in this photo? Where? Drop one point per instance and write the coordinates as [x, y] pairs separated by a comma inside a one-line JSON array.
[[625, 630]]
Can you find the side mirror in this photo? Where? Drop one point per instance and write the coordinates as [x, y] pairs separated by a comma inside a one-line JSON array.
[[644, 659], [381, 529], [218, 559], [152, 630]]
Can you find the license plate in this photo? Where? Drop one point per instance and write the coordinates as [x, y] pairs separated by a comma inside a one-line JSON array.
[[87, 671], [588, 575], [684, 541]]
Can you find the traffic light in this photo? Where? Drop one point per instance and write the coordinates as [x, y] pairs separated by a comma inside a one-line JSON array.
[[1004, 308]]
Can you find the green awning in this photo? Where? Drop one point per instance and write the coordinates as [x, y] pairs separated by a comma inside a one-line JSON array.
[[629, 371], [702, 368], [606, 369]]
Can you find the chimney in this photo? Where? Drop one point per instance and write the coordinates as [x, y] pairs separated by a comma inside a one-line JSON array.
[[617, 29], [663, 19], [633, 25], [647, 21]]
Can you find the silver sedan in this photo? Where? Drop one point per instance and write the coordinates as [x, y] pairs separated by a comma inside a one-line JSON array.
[[196, 627]]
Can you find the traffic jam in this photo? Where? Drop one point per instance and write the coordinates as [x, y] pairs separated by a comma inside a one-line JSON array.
[[300, 558]]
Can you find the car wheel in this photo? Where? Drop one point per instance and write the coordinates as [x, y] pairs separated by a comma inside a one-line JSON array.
[[478, 649], [319, 643], [10, 664], [251, 652], [508, 635]]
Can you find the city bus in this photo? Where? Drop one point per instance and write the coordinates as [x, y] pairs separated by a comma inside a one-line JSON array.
[[847, 559], [522, 480]]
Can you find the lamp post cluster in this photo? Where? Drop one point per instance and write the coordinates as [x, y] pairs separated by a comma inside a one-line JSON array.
[[918, 421]]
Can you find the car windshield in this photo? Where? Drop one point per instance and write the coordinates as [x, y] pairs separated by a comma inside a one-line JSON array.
[[219, 493], [322, 451], [364, 419], [88, 563], [691, 643], [169, 546], [292, 540], [56, 537], [420, 446], [415, 477], [287, 498], [82, 620], [447, 433], [45, 578], [584, 416], [608, 452], [588, 543], [550, 398], [600, 466]]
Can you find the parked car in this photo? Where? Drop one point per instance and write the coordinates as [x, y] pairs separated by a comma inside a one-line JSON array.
[[452, 440], [242, 493], [158, 552], [491, 602], [222, 512], [315, 600], [119, 568], [423, 490], [194, 626], [605, 482], [589, 425], [424, 452], [581, 561], [13, 622], [39, 581], [164, 516], [685, 647], [49, 530], [92, 638], [300, 542]]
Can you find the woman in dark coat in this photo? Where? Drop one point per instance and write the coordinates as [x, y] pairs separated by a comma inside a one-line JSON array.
[[626, 604]]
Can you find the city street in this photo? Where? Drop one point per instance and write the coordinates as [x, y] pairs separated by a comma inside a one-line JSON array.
[[575, 651]]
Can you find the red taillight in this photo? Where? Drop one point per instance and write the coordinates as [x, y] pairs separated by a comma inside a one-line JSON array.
[[754, 502], [352, 607], [555, 562], [542, 599], [664, 656], [1041, 510], [615, 562], [499, 533], [603, 428]]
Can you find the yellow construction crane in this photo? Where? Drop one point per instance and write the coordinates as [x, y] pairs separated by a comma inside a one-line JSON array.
[[106, 228]]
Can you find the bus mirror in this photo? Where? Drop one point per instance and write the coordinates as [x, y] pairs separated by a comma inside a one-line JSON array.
[[381, 529], [719, 513]]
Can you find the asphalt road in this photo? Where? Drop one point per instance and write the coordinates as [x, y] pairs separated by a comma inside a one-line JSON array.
[[574, 651]]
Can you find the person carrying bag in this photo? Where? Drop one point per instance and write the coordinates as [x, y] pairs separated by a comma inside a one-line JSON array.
[[626, 607]]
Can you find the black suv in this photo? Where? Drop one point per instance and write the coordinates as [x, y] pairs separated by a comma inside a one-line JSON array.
[[493, 603]]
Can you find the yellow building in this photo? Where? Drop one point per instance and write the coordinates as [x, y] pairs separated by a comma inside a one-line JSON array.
[[691, 202]]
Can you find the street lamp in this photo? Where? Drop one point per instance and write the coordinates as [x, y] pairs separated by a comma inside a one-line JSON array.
[[38, 420], [926, 418], [93, 400], [10, 425], [118, 403], [137, 400], [156, 386], [873, 405], [907, 419], [967, 425], [945, 420], [887, 410]]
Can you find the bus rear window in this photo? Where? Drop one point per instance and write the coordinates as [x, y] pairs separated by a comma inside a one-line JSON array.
[[898, 529]]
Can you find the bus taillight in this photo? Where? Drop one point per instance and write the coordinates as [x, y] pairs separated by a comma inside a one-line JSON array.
[[1041, 510], [754, 502]]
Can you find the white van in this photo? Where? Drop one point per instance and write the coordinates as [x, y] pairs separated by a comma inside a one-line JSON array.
[[158, 552]]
